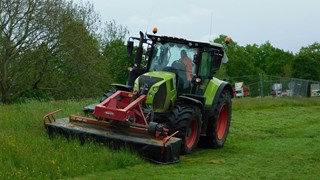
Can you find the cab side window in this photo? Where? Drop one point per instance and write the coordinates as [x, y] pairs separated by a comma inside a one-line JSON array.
[[206, 65]]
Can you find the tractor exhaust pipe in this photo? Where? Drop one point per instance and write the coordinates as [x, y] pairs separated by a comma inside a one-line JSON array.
[[138, 59], [136, 71]]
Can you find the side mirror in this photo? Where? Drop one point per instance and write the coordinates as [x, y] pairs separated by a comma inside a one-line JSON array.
[[129, 48]]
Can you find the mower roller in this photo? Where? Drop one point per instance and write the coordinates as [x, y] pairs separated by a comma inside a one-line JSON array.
[[168, 107]]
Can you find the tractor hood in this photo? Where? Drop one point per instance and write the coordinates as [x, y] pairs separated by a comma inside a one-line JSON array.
[[153, 79], [160, 88]]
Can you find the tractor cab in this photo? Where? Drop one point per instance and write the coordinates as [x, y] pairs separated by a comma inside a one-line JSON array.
[[193, 63]]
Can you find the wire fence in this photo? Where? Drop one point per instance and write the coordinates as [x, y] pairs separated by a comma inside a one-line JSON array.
[[265, 85]]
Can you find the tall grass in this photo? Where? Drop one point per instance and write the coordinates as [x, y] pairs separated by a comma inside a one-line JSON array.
[[27, 152]]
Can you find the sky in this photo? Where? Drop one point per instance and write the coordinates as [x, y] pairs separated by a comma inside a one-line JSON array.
[[286, 24]]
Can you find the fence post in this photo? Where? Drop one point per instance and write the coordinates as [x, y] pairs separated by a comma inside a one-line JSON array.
[[261, 84]]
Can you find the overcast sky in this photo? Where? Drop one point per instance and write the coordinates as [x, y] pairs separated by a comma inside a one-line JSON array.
[[286, 24]]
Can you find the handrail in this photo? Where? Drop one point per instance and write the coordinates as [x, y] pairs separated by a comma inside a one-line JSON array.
[[49, 117]]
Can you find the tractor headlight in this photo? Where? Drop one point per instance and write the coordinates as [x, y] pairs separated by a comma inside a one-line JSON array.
[[155, 89]]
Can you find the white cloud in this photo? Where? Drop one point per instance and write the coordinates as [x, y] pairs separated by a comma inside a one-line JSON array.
[[287, 24]]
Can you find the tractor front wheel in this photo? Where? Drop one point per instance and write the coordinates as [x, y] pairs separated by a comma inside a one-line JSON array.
[[186, 120]]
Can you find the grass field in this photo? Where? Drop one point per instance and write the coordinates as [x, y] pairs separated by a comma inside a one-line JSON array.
[[269, 139]]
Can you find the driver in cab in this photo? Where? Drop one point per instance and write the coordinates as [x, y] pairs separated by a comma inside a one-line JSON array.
[[188, 64]]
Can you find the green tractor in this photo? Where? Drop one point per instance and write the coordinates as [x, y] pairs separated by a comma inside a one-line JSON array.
[[171, 104]]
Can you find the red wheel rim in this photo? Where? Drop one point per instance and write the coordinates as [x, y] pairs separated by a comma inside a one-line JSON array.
[[222, 123], [192, 133]]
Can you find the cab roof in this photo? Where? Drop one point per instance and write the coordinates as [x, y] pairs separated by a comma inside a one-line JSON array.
[[190, 43]]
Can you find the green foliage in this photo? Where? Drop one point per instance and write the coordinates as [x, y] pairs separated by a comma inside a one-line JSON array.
[[240, 61], [21, 27], [41, 40], [271, 60], [254, 59], [77, 64], [115, 53], [34, 94], [60, 56], [113, 32], [277, 62], [307, 63], [30, 70]]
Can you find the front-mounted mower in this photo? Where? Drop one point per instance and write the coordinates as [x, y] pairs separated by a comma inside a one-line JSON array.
[[170, 105]]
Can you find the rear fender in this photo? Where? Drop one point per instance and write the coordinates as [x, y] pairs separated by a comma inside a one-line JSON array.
[[213, 91], [224, 86]]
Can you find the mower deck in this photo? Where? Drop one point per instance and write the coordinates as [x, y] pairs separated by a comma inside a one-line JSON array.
[[162, 151]]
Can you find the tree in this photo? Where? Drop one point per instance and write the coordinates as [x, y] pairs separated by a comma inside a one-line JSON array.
[[115, 52], [29, 36], [240, 61], [21, 29], [307, 63], [113, 32], [277, 61], [76, 67], [271, 60]]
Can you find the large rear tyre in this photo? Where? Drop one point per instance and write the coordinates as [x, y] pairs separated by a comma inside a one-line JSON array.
[[186, 120], [218, 123]]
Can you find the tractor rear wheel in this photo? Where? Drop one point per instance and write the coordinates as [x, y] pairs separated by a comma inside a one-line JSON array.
[[186, 120], [218, 123]]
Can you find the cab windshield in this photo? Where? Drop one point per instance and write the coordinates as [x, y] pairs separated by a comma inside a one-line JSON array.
[[176, 58], [166, 54]]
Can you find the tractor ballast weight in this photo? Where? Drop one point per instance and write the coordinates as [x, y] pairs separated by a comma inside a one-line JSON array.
[[167, 107]]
